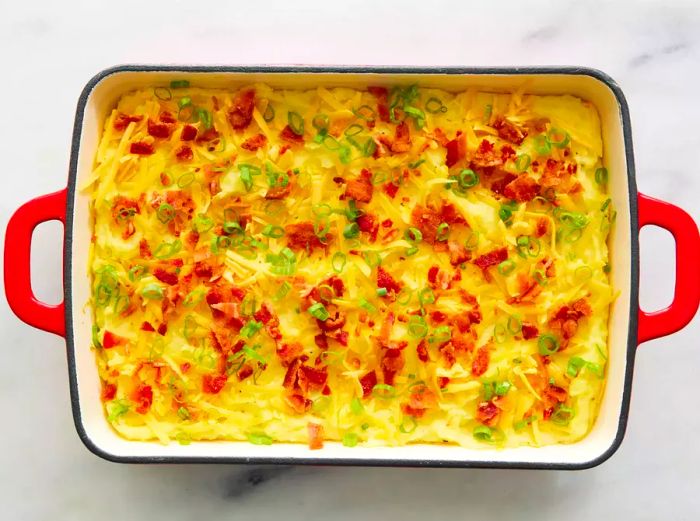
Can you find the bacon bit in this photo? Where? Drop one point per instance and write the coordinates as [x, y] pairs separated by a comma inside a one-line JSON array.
[[315, 436], [241, 114], [289, 135], [387, 223], [146, 326], [144, 249], [165, 276], [188, 133], [213, 384], [110, 340], [162, 329], [244, 372], [360, 189], [122, 121], [487, 412], [485, 155], [542, 227], [498, 186], [184, 153], [143, 397], [443, 381], [159, 130], [481, 361], [368, 382], [209, 134], [422, 351], [458, 253], [419, 402], [555, 394], [509, 131], [529, 331], [109, 391], [547, 413], [492, 258], [255, 142], [185, 367], [167, 117], [456, 150], [368, 224], [391, 189], [432, 274], [392, 363], [507, 152], [382, 95], [290, 377], [124, 208], [402, 139], [278, 192], [335, 321], [386, 281], [298, 403], [321, 341], [263, 314], [141, 148], [203, 269], [301, 236], [522, 189], [437, 316], [462, 343], [289, 352], [311, 378]]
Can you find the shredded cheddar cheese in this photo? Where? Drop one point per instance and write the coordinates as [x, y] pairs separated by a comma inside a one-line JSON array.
[[375, 267]]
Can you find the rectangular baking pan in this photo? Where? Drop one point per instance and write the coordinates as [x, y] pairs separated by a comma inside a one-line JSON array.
[[628, 324]]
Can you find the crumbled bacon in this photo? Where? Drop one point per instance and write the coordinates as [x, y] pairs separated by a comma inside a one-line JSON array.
[[392, 362], [486, 156], [141, 148], [162, 329], [420, 401], [382, 95], [315, 436], [542, 226], [255, 142], [432, 274], [458, 253], [566, 320], [498, 186], [509, 131], [333, 322], [213, 384], [289, 135], [209, 134], [167, 117], [165, 276], [109, 391], [278, 192], [110, 340], [386, 281], [302, 236], [360, 189], [144, 249], [184, 153], [529, 331], [492, 258], [159, 130], [146, 326], [456, 149], [428, 219], [422, 351], [298, 403], [311, 378], [368, 382], [480, 363], [188, 133], [523, 188], [122, 121], [391, 189], [241, 113], [368, 224], [143, 398], [402, 138], [487, 412]]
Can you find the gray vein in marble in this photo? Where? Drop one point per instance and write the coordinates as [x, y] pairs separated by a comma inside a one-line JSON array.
[[245, 481], [646, 57]]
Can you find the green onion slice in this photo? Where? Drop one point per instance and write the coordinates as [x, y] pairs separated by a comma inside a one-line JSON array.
[[338, 261], [522, 162], [467, 178], [435, 106], [319, 311], [351, 230], [547, 344], [413, 235], [167, 249], [259, 438], [185, 180], [408, 425], [163, 93], [440, 334], [426, 296], [443, 231], [152, 292], [356, 406], [562, 415], [417, 327], [269, 113], [353, 130], [542, 145], [179, 84], [350, 439], [601, 176], [558, 138], [137, 272], [296, 123], [384, 391], [372, 258], [273, 231], [165, 213], [364, 112]]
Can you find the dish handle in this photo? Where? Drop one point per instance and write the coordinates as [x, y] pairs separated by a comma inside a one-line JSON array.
[[18, 245], [686, 295]]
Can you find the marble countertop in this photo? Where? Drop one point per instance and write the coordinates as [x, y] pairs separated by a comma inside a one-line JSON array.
[[50, 49]]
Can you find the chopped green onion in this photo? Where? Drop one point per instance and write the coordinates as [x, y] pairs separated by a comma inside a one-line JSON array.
[[163, 93], [137, 272], [165, 213], [251, 328], [372, 258], [378, 178], [404, 296], [183, 413], [601, 176], [426, 296], [488, 389], [468, 178], [118, 408], [548, 344], [520, 425], [338, 261], [351, 230], [352, 213], [319, 311], [506, 267], [369, 147], [152, 292], [574, 219], [269, 113], [572, 235], [413, 235], [605, 204], [384, 391], [408, 425], [193, 298], [416, 164], [540, 277], [434, 106], [417, 327], [443, 231], [353, 130], [562, 415], [411, 251], [204, 116], [259, 438], [345, 154], [499, 333], [331, 143], [502, 388], [522, 162], [365, 304], [483, 433], [576, 363], [514, 325], [557, 137], [350, 439], [231, 227], [273, 231], [381, 292], [185, 180], [440, 334], [356, 406], [473, 241], [542, 145], [184, 102], [296, 123], [179, 84], [320, 122], [167, 249], [95, 339], [488, 110], [202, 223], [282, 292]]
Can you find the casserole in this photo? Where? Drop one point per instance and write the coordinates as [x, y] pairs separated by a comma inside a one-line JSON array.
[[627, 323]]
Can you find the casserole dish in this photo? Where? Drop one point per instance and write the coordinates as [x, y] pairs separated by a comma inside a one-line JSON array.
[[628, 325]]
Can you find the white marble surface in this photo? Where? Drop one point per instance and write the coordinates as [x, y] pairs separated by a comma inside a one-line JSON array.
[[50, 49]]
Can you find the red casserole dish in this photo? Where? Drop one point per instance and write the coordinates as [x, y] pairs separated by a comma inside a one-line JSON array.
[[629, 325]]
